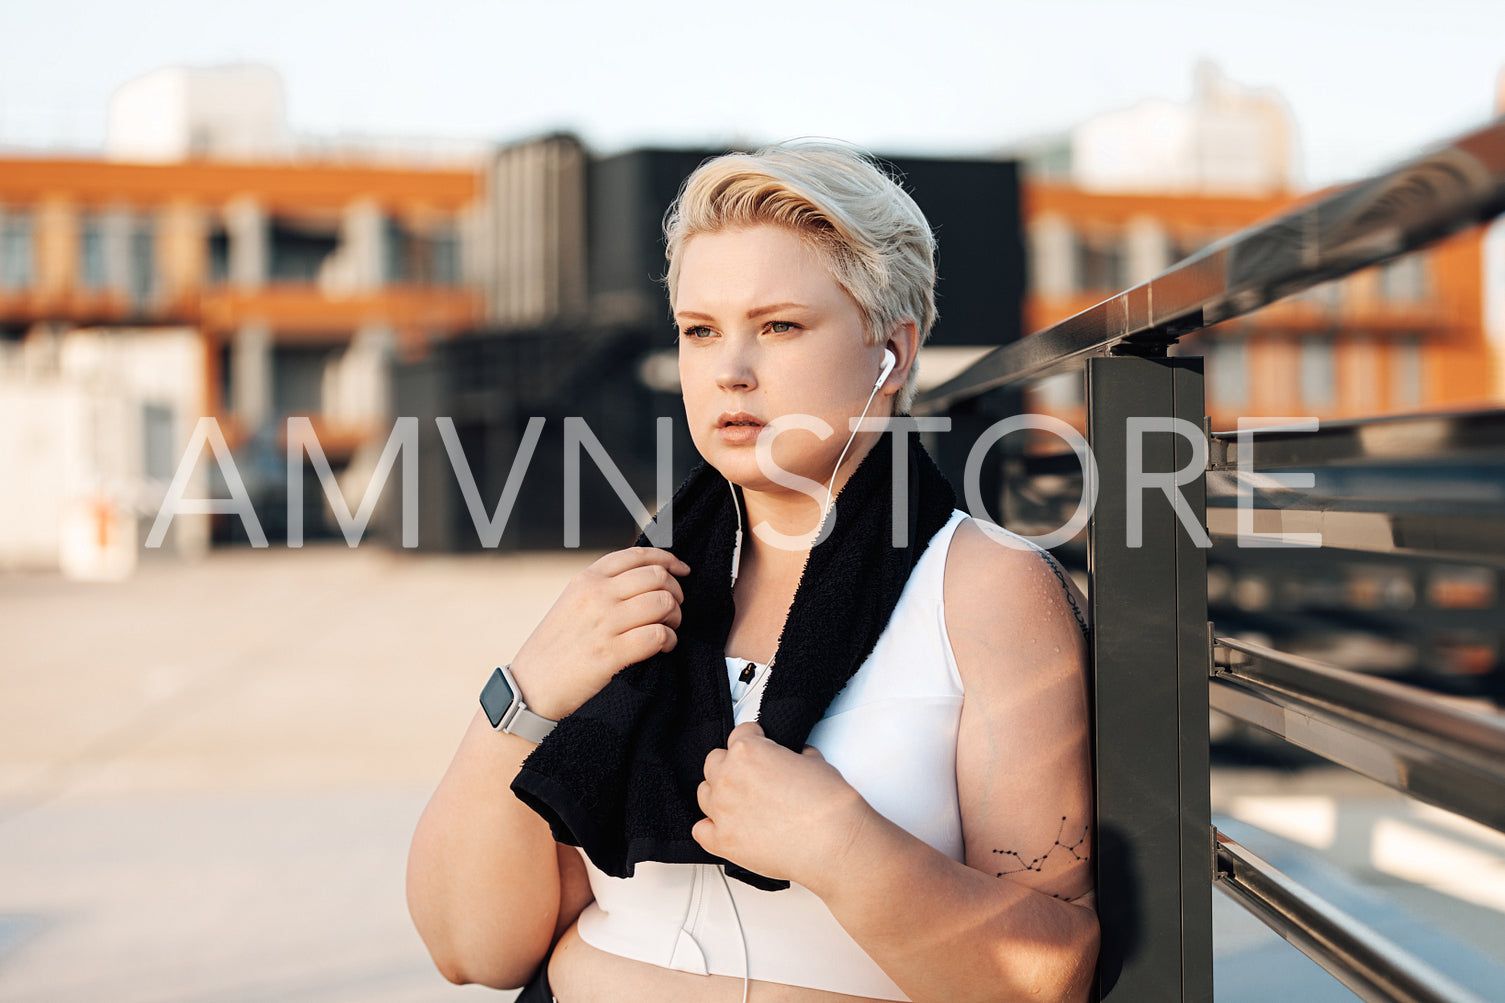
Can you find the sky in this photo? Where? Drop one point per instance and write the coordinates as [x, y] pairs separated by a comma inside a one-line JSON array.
[[1367, 83]]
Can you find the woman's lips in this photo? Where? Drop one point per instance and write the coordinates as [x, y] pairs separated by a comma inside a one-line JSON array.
[[738, 429]]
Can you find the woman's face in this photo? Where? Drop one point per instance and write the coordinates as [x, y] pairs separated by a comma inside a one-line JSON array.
[[766, 332]]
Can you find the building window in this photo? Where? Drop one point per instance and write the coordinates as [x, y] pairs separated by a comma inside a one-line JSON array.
[[1100, 264], [226, 386], [143, 262], [1326, 297], [446, 256], [219, 257], [1404, 280], [1228, 371], [15, 250], [1362, 370], [298, 249], [1405, 372], [91, 253], [393, 252], [414, 257], [298, 378], [1319, 372], [157, 452], [1052, 259]]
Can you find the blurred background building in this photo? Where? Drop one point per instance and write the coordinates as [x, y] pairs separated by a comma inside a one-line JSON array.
[[1117, 200], [210, 263], [1121, 197], [199, 271]]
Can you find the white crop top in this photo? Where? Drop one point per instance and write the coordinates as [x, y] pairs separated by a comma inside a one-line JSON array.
[[892, 734]]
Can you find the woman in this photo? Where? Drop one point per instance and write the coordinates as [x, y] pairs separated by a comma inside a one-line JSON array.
[[903, 808]]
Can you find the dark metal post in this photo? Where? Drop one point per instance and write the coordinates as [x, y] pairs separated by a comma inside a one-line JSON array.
[[1150, 664]]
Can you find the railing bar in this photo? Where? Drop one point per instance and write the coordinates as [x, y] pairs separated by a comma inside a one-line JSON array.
[[1383, 700], [1456, 534], [1364, 960], [1223, 486], [1417, 768], [1447, 435]]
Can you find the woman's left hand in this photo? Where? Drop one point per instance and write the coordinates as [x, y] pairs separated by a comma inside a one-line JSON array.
[[781, 814]]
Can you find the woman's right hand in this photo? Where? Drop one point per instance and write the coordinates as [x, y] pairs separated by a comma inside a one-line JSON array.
[[620, 610]]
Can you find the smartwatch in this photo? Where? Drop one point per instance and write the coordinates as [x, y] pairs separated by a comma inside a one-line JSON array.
[[506, 711]]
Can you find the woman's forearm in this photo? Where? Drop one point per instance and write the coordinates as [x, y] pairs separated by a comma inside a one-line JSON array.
[[483, 877], [945, 931]]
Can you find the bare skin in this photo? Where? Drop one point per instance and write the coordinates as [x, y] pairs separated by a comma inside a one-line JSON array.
[[580, 972], [767, 332], [483, 869]]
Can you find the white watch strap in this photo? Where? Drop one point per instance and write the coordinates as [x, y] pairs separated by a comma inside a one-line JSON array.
[[522, 722], [517, 719]]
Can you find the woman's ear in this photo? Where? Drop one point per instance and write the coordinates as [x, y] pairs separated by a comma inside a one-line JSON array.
[[904, 342]]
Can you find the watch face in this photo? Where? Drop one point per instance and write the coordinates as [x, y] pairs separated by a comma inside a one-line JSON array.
[[496, 697]]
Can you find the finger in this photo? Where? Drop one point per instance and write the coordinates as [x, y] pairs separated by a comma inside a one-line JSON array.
[[646, 641], [744, 732], [713, 761], [619, 561], [646, 578], [674, 619], [703, 796], [704, 833], [650, 607]]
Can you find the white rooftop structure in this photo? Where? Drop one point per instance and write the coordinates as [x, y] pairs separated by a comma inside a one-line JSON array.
[[1227, 140], [183, 113]]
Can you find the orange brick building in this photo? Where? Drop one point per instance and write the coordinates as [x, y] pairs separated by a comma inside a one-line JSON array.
[[300, 279], [137, 298], [1406, 336]]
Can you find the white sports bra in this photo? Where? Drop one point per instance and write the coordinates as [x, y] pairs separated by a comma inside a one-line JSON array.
[[892, 734]]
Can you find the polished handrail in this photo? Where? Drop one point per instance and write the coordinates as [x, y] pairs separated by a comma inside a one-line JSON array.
[[1451, 187], [1385, 699], [1372, 966], [1418, 743], [1412, 438], [1471, 530]]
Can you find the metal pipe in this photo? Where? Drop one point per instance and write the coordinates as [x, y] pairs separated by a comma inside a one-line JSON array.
[[1372, 966], [1457, 436], [1415, 742]]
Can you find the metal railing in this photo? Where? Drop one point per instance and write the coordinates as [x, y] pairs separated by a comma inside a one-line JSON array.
[[1159, 665]]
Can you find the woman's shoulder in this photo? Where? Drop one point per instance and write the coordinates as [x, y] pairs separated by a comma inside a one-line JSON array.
[[1006, 597], [987, 560]]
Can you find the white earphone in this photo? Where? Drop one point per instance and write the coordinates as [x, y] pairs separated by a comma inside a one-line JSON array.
[[889, 361]]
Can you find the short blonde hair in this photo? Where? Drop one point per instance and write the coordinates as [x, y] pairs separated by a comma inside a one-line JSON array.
[[862, 224]]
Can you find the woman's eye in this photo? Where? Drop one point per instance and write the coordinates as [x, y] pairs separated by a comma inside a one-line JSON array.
[[697, 332], [780, 327]]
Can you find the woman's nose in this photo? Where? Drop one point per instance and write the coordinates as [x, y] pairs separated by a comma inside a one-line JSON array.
[[736, 372]]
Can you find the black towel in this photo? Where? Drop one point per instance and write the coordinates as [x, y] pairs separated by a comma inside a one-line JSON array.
[[618, 776]]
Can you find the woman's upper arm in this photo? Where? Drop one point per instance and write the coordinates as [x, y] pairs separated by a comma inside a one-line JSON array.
[[485, 882], [574, 888], [1023, 760]]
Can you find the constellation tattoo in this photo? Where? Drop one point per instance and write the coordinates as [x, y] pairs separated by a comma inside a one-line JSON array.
[[1037, 864]]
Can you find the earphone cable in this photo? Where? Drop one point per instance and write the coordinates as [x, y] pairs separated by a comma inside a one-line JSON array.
[[741, 933], [737, 545], [850, 439]]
